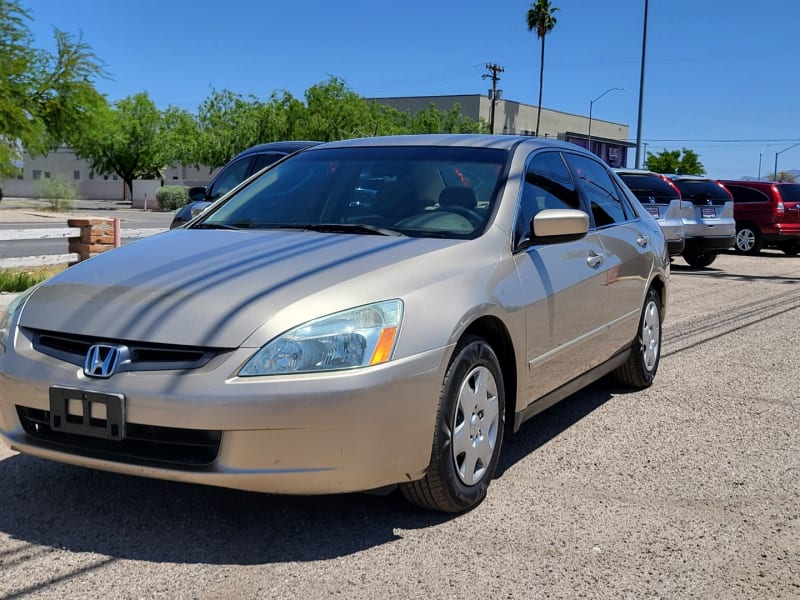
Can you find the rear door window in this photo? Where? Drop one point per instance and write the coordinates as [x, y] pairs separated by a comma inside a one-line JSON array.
[[743, 193]]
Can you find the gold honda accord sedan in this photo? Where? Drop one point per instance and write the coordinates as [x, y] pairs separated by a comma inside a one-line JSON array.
[[363, 314]]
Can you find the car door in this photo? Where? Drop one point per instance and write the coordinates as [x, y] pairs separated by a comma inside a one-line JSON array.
[[563, 283], [627, 249]]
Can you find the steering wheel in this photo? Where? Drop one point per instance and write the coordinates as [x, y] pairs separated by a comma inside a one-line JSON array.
[[470, 215]]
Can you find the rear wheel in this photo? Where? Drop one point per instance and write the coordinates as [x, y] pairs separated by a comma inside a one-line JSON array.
[[699, 259], [468, 435], [748, 239], [640, 369]]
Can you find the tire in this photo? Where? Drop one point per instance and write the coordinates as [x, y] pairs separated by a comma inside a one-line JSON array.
[[642, 364], [791, 249], [699, 259], [748, 240], [470, 423]]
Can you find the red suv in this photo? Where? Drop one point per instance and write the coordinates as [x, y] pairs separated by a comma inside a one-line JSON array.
[[767, 215]]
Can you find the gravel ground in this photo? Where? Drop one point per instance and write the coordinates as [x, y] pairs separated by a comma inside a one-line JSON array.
[[690, 489]]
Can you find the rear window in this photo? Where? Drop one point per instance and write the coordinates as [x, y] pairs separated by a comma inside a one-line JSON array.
[[649, 188], [702, 191], [790, 192]]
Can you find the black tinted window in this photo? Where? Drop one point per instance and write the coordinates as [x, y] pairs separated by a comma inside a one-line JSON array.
[[264, 160], [547, 185], [604, 199], [742, 193], [231, 176], [649, 189], [790, 192], [702, 191]]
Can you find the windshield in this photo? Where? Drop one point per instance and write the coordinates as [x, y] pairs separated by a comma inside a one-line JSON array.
[[418, 191]]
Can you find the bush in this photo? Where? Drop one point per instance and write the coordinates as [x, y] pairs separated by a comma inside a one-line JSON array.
[[59, 193], [170, 197]]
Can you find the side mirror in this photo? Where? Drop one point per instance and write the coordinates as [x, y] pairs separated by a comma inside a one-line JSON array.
[[554, 225], [197, 194]]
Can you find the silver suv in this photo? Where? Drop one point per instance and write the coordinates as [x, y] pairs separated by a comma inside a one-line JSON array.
[[659, 196], [711, 227]]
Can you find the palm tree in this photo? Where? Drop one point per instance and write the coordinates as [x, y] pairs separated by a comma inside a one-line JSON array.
[[541, 18]]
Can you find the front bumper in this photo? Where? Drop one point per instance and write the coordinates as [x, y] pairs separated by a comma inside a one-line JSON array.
[[302, 434]]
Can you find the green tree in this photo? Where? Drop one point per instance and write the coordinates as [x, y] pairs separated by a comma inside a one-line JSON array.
[[127, 139], [228, 123], [43, 97], [541, 18], [685, 162], [782, 176]]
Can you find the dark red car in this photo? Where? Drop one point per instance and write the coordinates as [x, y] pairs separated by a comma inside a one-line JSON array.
[[767, 215]]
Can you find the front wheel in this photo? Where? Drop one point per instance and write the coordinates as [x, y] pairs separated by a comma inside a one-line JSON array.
[[468, 434], [699, 259], [642, 364]]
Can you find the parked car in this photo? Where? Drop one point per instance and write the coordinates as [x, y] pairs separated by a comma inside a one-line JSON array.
[[366, 313], [659, 196], [240, 167], [767, 215], [711, 229]]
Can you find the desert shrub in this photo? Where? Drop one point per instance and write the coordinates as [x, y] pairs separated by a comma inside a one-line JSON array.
[[59, 192], [170, 197]]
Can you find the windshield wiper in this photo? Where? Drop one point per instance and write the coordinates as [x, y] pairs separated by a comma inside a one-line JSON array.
[[215, 226], [358, 228]]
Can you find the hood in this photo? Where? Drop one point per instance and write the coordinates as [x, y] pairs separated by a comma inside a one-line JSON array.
[[209, 288]]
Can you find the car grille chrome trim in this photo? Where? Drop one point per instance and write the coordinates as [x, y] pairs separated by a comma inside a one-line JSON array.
[[168, 447], [142, 356]]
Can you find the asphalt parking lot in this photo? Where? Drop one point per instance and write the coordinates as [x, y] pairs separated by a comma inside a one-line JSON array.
[[689, 489]]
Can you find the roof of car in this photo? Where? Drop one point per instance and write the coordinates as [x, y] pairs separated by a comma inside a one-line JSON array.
[[626, 171], [504, 142], [287, 146]]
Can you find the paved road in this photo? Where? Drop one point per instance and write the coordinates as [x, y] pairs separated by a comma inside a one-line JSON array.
[[690, 489]]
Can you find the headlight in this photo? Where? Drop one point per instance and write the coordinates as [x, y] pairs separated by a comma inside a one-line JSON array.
[[8, 317], [352, 338]]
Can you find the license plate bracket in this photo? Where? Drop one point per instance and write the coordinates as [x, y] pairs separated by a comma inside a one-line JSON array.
[[708, 213], [94, 414], [653, 210]]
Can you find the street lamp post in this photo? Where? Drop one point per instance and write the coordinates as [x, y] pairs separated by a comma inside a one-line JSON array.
[[781, 152], [759, 160], [591, 104]]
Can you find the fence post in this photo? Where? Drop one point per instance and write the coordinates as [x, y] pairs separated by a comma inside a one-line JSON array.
[[97, 236]]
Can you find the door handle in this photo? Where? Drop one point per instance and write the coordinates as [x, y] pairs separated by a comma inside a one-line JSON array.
[[643, 240], [595, 260]]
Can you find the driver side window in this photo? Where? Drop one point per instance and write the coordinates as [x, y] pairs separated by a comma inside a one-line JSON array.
[[547, 185]]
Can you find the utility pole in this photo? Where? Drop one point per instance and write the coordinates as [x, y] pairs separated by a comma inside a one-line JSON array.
[[493, 71]]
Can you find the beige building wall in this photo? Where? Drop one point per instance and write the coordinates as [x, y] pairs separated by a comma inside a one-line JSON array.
[[62, 162], [513, 118]]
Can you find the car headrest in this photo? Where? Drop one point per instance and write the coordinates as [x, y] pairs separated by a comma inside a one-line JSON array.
[[458, 196]]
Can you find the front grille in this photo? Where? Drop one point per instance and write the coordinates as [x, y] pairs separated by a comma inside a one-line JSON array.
[[144, 356], [143, 444]]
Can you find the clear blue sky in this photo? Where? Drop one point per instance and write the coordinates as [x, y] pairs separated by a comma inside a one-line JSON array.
[[721, 78]]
